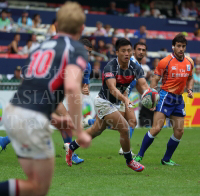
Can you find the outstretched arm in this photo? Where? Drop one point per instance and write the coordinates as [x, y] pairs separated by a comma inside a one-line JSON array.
[[142, 85]]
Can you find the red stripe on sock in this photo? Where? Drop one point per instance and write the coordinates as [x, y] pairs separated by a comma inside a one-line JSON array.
[[17, 188]]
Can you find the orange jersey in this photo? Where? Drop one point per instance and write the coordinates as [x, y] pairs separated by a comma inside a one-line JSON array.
[[174, 73]]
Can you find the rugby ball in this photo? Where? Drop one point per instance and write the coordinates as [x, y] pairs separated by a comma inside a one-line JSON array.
[[150, 98]]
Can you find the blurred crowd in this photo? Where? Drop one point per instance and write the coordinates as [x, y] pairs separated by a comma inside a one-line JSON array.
[[144, 8]]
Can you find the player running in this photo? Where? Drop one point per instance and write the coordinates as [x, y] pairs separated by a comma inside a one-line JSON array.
[[54, 69], [117, 76], [176, 73], [140, 49]]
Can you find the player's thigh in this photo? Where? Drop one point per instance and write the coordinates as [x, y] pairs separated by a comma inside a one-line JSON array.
[[117, 121], [158, 123], [130, 117], [39, 172], [177, 124]]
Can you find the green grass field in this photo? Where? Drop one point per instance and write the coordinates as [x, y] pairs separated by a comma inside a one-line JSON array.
[[104, 172]]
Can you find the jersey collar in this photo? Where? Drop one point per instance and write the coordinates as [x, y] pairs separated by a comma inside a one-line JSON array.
[[173, 56], [119, 64]]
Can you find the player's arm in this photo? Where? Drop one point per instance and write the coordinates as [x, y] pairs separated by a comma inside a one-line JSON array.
[[111, 83], [72, 84], [61, 110], [190, 81], [86, 81], [141, 84], [158, 73]]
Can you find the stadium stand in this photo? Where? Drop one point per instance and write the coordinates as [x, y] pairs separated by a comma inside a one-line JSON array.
[[159, 31]]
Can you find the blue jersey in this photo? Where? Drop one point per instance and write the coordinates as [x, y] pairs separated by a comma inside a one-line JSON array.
[[133, 83], [86, 76]]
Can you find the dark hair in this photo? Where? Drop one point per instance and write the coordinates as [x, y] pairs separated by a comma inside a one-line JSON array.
[[3, 10], [122, 42], [139, 43], [179, 38], [35, 16], [16, 34], [85, 42]]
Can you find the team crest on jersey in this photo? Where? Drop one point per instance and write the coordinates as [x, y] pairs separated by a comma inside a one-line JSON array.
[[188, 67]]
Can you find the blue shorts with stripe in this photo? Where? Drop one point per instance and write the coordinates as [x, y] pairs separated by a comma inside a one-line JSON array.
[[171, 104]]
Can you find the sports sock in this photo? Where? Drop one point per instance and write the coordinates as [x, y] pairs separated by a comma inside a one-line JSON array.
[[67, 139], [128, 157], [171, 147], [74, 145], [131, 129], [147, 141], [91, 121], [9, 188]]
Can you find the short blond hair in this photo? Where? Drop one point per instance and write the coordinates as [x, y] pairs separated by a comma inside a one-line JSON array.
[[70, 18]]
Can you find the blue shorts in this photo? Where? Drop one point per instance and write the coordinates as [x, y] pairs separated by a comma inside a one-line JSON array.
[[171, 104]]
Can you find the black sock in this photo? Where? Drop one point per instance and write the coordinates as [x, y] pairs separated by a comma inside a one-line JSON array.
[[4, 188], [74, 145], [128, 157]]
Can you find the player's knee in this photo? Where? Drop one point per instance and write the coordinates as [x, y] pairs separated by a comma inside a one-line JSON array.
[[155, 130], [124, 131], [133, 123], [179, 132], [40, 189]]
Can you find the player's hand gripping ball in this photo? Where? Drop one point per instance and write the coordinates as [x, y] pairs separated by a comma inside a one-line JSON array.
[[150, 98]]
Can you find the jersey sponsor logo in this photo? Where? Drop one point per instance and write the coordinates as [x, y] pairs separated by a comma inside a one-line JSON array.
[[180, 75], [81, 62], [188, 67], [173, 67], [107, 75]]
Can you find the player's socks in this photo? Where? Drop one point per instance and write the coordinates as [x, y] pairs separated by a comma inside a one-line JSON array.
[[171, 147], [9, 188], [131, 129], [91, 121], [128, 156], [67, 139], [74, 145], [147, 141]]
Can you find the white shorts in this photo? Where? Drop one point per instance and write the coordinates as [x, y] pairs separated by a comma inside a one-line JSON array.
[[104, 107], [29, 132]]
